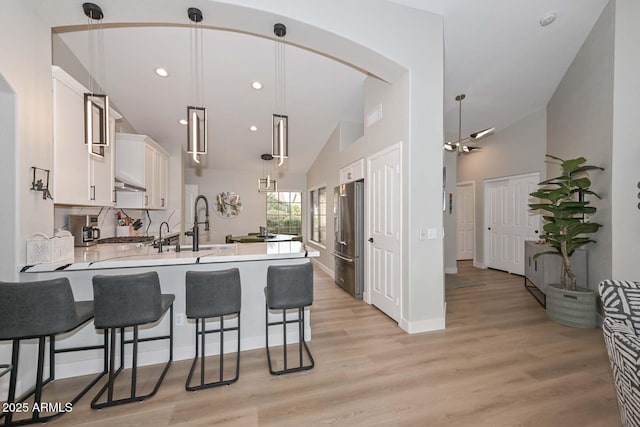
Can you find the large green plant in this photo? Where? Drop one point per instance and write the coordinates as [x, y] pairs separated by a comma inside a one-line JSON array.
[[564, 205]]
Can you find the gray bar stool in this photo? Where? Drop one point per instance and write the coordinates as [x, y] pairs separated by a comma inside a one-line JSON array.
[[213, 294], [289, 287], [37, 310], [123, 301]]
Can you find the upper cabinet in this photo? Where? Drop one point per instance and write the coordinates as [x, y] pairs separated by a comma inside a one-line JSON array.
[[80, 178], [140, 161], [352, 172]]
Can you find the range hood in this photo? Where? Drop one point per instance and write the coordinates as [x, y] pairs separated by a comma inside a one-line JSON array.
[[122, 185]]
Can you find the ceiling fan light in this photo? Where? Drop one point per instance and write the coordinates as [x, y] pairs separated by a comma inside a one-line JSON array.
[[449, 147], [468, 149], [482, 133]]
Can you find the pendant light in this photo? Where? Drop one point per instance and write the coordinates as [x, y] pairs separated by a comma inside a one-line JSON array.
[[280, 121], [267, 184], [196, 116], [458, 146], [96, 105]]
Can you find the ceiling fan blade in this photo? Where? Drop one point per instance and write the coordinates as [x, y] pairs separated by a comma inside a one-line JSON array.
[[482, 133]]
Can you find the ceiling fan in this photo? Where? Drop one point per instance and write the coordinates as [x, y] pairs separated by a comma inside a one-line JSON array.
[[459, 145]]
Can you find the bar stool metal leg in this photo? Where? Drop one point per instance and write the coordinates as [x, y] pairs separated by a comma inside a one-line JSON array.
[[113, 373], [289, 287], [301, 343], [201, 332], [213, 295], [128, 301]]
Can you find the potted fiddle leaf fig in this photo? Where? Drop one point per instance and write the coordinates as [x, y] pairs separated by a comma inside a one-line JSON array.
[[565, 229]]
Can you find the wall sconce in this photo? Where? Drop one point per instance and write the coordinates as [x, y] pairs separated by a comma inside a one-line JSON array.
[[40, 181]]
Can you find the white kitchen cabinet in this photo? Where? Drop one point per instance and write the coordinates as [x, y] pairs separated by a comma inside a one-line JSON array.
[[142, 162], [80, 178], [161, 169], [352, 172]]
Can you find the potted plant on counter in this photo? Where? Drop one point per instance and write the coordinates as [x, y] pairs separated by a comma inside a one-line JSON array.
[[565, 229]]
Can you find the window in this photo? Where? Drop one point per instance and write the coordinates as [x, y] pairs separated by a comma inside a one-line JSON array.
[[284, 212], [318, 199]]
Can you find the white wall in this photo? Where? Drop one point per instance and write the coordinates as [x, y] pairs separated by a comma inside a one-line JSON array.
[[625, 172], [516, 150], [26, 66], [580, 123], [26, 132], [253, 215], [324, 173], [449, 219]]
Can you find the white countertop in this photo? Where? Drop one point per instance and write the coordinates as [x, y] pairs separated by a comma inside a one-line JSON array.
[[135, 255]]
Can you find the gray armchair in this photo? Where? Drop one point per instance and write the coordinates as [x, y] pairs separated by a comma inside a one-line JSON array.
[[621, 328]]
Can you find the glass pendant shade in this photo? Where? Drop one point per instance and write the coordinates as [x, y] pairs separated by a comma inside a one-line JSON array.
[[196, 131], [280, 138]]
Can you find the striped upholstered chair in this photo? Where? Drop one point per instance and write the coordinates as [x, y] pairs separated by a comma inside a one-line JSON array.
[[621, 328]]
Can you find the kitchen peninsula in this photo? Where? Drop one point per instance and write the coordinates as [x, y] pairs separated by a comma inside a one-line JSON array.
[[251, 259]]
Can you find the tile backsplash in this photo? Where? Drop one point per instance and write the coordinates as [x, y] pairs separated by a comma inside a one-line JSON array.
[[107, 218]]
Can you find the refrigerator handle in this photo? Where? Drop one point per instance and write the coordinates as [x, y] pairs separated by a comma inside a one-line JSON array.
[[349, 260]]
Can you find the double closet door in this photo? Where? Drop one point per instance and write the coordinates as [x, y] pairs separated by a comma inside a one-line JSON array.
[[508, 221]]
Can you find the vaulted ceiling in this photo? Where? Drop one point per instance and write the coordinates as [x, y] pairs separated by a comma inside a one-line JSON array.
[[496, 52]]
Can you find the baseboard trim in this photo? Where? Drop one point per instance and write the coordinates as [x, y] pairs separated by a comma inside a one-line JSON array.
[[451, 270], [323, 267], [479, 265], [422, 325]]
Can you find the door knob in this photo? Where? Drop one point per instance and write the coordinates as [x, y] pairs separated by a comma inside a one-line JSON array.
[[535, 231], [371, 239]]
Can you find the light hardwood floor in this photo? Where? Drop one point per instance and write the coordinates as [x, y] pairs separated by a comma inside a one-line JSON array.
[[499, 362]]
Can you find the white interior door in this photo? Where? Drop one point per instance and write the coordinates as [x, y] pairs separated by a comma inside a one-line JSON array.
[[385, 207], [466, 213], [508, 221]]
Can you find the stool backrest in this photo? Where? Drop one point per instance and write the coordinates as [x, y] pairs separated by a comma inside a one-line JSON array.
[[31, 309], [212, 293], [290, 286], [126, 300]]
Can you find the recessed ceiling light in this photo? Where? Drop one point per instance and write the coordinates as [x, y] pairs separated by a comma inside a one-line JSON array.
[[183, 122], [256, 85], [253, 128], [548, 19], [162, 72]]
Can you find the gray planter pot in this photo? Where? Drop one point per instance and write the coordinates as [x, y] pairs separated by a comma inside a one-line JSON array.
[[571, 308]]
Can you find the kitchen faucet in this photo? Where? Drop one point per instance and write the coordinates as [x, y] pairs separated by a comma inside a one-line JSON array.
[[195, 231], [160, 237]]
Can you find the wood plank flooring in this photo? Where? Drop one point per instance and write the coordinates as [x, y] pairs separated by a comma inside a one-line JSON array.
[[499, 362]]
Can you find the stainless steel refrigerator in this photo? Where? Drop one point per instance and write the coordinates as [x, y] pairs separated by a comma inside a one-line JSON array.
[[348, 211]]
